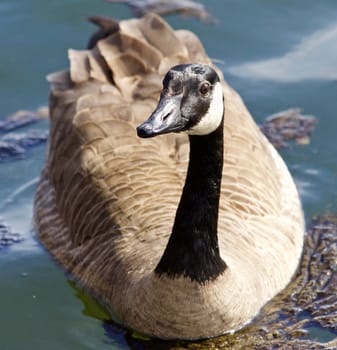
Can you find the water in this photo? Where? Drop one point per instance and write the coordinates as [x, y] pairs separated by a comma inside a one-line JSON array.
[[277, 54]]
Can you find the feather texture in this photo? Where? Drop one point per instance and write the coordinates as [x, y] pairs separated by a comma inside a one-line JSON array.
[[106, 200]]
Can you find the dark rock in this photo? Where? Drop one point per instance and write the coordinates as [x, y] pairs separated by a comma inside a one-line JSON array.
[[22, 118], [17, 144], [282, 127], [165, 7], [14, 144], [7, 237]]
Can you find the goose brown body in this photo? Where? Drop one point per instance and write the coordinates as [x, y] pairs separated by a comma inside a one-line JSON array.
[[106, 200]]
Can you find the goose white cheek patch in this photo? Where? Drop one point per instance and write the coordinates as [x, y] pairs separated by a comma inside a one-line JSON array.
[[212, 119]]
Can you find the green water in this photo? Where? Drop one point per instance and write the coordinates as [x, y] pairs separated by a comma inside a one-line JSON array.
[[277, 54]]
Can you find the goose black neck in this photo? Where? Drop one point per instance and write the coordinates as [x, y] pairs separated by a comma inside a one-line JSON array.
[[192, 250]]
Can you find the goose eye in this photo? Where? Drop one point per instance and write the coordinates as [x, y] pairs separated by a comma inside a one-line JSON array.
[[204, 88]]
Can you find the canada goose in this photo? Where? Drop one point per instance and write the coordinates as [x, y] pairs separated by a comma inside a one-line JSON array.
[[107, 200]]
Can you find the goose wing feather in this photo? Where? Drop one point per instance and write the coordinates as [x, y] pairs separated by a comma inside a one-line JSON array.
[[106, 199]]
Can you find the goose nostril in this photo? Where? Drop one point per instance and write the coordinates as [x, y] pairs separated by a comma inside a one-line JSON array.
[[166, 116]]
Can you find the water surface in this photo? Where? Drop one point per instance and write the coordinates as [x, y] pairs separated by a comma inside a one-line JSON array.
[[277, 54]]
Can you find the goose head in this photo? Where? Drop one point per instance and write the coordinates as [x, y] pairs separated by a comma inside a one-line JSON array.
[[191, 102]]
